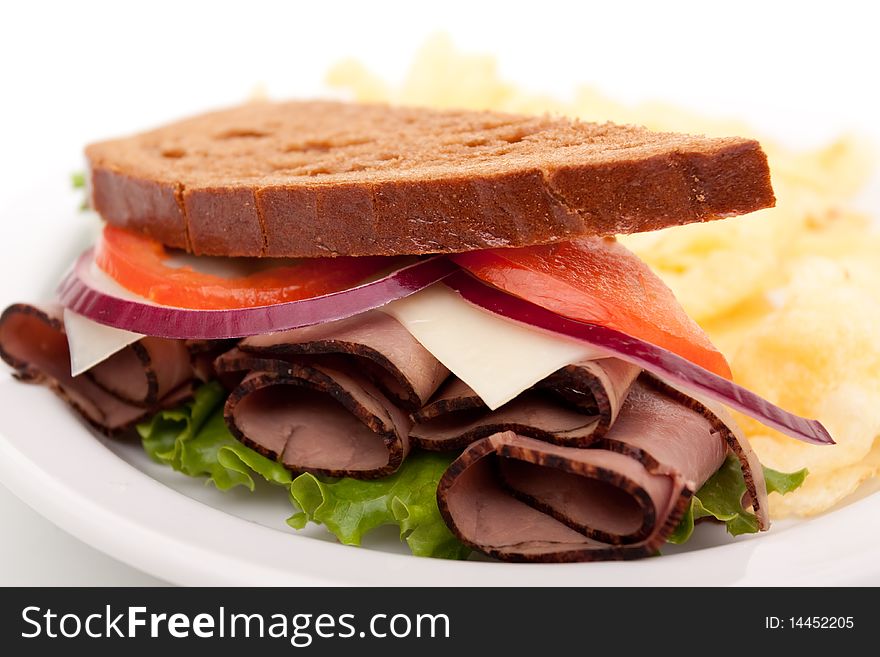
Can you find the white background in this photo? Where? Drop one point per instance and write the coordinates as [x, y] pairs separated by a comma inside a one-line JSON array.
[[74, 72]]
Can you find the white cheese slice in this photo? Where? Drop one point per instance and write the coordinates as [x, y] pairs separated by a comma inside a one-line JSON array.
[[496, 357], [90, 342]]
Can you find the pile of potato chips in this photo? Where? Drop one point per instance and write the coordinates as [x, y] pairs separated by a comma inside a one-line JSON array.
[[791, 294]]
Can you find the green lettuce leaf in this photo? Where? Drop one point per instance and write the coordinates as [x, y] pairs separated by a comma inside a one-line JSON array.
[[165, 433], [194, 439], [720, 497], [78, 181], [350, 508], [227, 462]]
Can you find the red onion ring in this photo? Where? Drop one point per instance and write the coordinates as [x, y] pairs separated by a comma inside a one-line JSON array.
[[82, 292], [679, 372]]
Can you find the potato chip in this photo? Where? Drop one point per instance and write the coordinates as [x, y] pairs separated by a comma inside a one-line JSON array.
[[351, 75], [713, 270], [790, 294], [728, 332], [821, 492], [819, 355], [826, 327]]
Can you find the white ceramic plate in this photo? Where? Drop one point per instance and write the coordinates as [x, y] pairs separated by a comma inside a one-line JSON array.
[[110, 495]]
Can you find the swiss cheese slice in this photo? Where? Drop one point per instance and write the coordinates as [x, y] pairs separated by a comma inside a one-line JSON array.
[[91, 343], [496, 357]]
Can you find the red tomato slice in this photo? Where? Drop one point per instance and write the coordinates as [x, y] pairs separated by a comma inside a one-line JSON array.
[[142, 265], [598, 281]]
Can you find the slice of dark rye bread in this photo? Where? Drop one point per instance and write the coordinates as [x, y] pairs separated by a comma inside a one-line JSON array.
[[327, 178]]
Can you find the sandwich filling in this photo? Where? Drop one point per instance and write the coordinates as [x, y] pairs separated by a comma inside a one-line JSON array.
[[595, 460]]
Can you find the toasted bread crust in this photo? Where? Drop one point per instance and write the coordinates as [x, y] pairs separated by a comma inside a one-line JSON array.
[[308, 179]]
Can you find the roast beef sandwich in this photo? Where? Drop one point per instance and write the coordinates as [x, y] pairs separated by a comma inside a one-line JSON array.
[[368, 285]]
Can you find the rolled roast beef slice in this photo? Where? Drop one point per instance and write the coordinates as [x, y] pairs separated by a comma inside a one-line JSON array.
[[494, 505], [232, 366], [532, 413], [32, 341], [668, 433], [673, 440], [453, 396], [203, 353], [606, 505], [650, 398], [145, 371], [604, 495], [315, 419], [573, 406], [599, 387], [378, 345], [737, 443], [660, 450], [481, 512], [308, 430]]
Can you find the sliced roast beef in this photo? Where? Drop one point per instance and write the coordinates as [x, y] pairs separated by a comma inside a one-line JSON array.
[[328, 399], [753, 472], [315, 417], [203, 353], [532, 413], [521, 499], [32, 341], [573, 406], [374, 343], [145, 371]]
